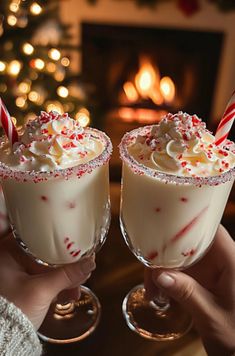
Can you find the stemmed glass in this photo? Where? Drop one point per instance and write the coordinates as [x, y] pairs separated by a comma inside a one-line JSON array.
[[59, 217], [168, 222]]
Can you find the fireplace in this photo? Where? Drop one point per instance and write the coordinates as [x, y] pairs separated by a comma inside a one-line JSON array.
[[136, 74]]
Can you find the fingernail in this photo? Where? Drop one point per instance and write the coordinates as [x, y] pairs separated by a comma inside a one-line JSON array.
[[165, 280]]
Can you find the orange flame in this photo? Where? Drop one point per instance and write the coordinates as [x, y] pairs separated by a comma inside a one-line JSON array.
[[148, 84], [167, 89], [130, 91]]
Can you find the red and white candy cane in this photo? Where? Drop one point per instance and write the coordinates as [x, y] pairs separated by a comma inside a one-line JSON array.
[[7, 124], [226, 122]]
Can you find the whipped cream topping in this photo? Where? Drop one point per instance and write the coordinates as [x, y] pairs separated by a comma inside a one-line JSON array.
[[181, 145], [51, 142]]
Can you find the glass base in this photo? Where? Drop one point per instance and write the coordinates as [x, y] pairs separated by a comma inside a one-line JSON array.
[[147, 320], [71, 322]]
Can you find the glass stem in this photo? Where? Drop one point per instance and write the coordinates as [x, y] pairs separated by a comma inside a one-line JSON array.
[[64, 311], [65, 303], [161, 301]]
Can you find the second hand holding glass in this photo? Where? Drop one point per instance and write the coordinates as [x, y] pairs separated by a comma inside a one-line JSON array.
[[169, 220]]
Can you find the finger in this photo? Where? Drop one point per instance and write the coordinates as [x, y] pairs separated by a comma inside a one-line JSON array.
[[188, 292], [224, 245], [220, 259], [67, 276]]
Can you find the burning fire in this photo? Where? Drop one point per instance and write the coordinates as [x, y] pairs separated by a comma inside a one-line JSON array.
[[149, 85]]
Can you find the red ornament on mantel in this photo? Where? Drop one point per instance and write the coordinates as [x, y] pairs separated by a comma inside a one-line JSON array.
[[189, 7]]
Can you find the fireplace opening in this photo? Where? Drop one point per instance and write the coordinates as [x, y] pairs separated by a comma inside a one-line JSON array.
[[117, 60], [139, 73]]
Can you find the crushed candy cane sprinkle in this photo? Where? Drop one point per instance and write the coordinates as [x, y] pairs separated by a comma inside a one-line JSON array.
[[181, 145], [52, 143]]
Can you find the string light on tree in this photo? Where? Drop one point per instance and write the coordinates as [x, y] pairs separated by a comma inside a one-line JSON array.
[[2, 66], [34, 64], [83, 117], [24, 87], [62, 91], [3, 88], [35, 9], [51, 67], [65, 61], [11, 20], [34, 96], [20, 101], [54, 54], [14, 67], [28, 48], [37, 63], [14, 6], [55, 106]]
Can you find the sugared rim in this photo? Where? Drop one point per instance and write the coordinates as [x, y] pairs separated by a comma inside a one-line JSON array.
[[140, 169], [79, 170]]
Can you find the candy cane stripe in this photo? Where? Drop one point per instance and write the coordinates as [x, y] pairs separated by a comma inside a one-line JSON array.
[[220, 140], [226, 122], [7, 124], [229, 108]]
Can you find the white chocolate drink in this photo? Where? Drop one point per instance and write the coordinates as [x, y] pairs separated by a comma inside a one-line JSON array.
[[175, 186], [56, 185]]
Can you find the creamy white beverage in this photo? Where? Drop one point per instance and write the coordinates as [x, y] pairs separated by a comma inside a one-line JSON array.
[[56, 186], [175, 186]]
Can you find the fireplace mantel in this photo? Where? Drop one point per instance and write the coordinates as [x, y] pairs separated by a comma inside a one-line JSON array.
[[166, 15]]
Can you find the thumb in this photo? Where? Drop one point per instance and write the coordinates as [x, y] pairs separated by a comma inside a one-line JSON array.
[[68, 276], [198, 301]]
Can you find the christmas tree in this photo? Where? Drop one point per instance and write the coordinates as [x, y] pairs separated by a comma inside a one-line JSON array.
[[35, 70]]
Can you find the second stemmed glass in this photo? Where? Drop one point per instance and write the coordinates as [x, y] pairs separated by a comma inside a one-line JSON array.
[[167, 222], [59, 217]]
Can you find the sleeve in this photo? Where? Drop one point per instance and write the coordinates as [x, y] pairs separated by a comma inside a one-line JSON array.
[[17, 334]]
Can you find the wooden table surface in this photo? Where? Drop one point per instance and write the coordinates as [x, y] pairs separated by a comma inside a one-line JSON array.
[[116, 273]]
